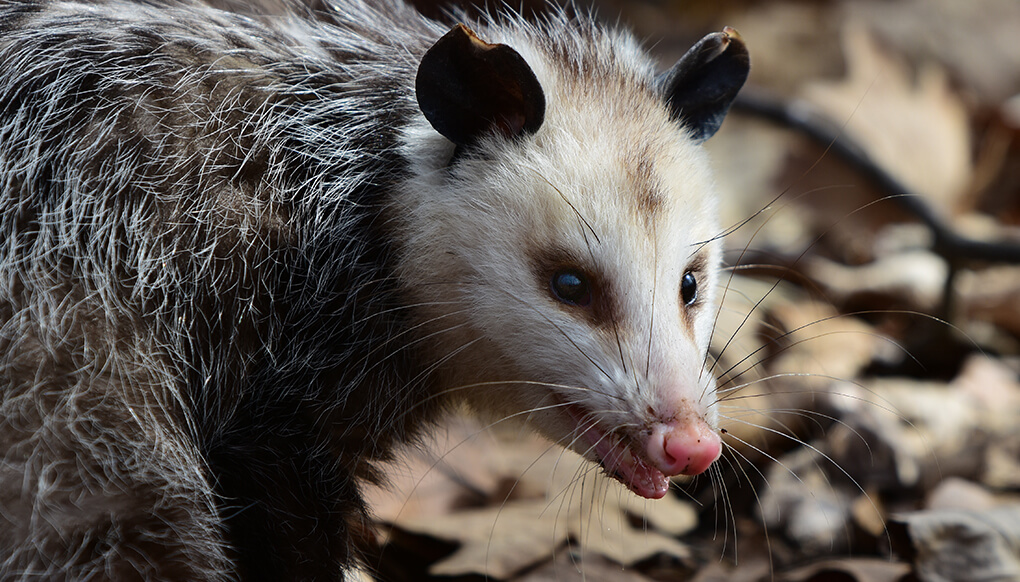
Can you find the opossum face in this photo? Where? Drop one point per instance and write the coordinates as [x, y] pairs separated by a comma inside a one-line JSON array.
[[564, 269]]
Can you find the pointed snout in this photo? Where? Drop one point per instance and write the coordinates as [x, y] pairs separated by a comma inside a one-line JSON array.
[[677, 448]]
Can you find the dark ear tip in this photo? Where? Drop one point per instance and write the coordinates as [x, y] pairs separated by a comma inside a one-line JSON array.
[[727, 43], [735, 45], [732, 34]]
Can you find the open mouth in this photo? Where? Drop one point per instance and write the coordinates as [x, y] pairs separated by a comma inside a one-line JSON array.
[[617, 456]]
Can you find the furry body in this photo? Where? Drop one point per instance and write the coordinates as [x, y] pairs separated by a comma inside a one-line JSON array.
[[240, 266]]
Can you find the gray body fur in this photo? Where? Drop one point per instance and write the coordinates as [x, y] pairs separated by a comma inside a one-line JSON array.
[[194, 297]]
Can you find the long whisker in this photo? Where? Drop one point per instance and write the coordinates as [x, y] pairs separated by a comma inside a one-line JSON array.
[[580, 216], [846, 315], [562, 332], [799, 257], [651, 317]]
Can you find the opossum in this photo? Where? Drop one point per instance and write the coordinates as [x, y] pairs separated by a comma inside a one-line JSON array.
[[250, 248]]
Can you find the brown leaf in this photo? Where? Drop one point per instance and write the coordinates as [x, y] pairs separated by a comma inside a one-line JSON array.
[[849, 570], [961, 546], [459, 467], [991, 295], [821, 345], [804, 503], [918, 431], [495, 541], [995, 390], [569, 567], [500, 541], [756, 569], [914, 279], [976, 39], [919, 131], [554, 498], [960, 494]]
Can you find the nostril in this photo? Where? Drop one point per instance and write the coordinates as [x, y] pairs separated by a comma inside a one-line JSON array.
[[672, 453], [683, 450], [692, 456]]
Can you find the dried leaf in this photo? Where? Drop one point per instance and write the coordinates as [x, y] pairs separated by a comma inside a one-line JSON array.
[[821, 345], [850, 570], [765, 329], [1002, 464], [569, 567], [755, 569], [556, 501], [919, 131], [869, 514], [914, 279], [893, 434], [991, 295], [500, 541], [495, 541], [960, 494], [917, 431], [961, 546], [805, 503], [461, 466], [995, 391], [976, 39]]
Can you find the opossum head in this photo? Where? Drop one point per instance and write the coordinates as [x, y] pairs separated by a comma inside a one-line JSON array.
[[559, 239]]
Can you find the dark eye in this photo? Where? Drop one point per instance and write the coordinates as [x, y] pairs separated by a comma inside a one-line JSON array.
[[571, 287], [689, 288]]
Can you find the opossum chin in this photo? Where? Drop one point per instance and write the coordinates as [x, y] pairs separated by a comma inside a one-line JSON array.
[[644, 461]]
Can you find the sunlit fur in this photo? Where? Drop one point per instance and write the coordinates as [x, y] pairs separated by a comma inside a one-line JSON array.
[[237, 267]]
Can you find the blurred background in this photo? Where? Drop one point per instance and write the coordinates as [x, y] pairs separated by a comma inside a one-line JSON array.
[[868, 347]]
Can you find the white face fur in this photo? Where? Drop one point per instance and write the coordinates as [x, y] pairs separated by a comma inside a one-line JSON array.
[[612, 194]]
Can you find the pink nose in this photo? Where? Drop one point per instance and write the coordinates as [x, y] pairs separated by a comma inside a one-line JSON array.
[[683, 449]]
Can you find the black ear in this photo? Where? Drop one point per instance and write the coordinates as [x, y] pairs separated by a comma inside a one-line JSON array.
[[468, 88], [702, 84]]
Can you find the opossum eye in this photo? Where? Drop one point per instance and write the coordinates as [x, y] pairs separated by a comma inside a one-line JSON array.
[[689, 288], [571, 287]]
